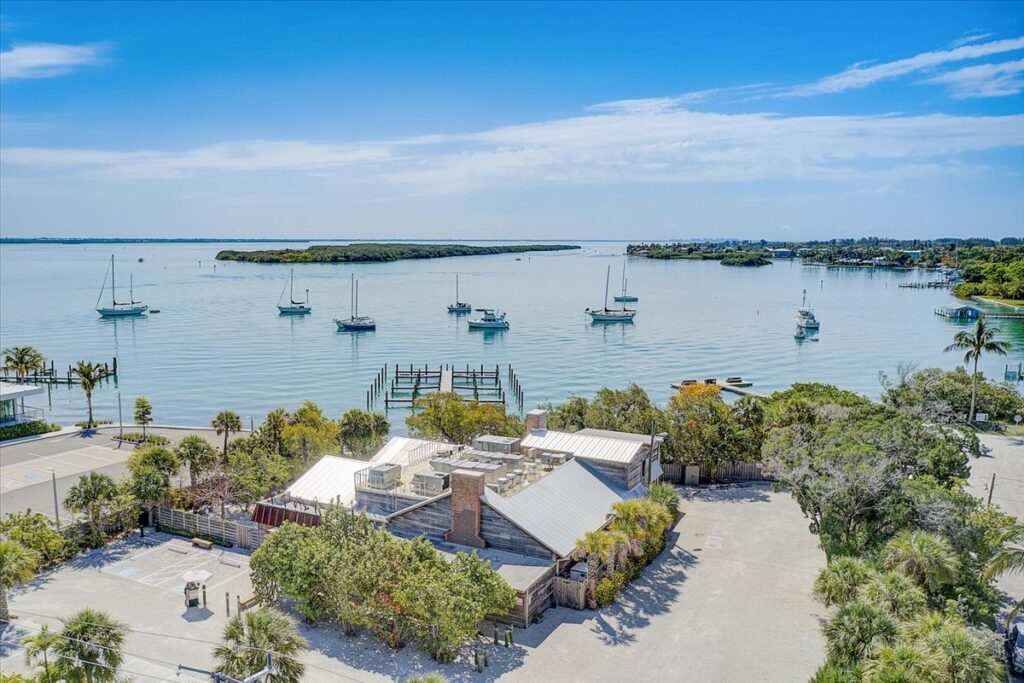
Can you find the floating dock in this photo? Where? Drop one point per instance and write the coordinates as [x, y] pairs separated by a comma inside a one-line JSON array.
[[401, 386], [50, 376], [736, 387], [932, 284]]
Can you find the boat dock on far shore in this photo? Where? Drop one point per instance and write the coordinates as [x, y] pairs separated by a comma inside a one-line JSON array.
[[735, 385]]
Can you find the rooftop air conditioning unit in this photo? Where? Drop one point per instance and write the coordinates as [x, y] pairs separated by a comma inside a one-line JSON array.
[[431, 483], [385, 477]]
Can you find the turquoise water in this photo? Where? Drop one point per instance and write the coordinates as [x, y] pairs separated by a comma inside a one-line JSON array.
[[218, 341]]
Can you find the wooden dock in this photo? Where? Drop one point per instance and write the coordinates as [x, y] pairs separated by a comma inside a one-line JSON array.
[[400, 386], [724, 386], [49, 375]]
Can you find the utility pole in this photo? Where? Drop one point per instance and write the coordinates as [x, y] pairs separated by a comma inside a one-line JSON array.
[[991, 488], [120, 420], [56, 504], [257, 677]]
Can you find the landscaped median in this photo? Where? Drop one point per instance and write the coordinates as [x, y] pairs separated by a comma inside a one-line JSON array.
[[618, 553]]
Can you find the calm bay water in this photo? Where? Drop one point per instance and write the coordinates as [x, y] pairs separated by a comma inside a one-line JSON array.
[[218, 341]]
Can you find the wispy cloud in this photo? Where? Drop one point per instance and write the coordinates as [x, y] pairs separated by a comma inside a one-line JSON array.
[[984, 80], [46, 60], [645, 144], [861, 75], [972, 37]]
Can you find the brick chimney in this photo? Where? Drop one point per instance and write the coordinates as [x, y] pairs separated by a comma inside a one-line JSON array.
[[467, 487], [536, 419]]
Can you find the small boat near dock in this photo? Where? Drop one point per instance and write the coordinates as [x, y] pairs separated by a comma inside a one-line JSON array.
[[119, 309], [625, 297], [459, 306], [293, 307]]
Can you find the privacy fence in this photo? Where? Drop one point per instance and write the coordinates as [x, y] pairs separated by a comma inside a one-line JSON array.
[[723, 473], [222, 531]]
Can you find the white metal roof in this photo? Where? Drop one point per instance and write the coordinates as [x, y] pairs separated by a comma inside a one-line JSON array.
[[561, 507], [609, 434], [329, 480], [583, 445], [399, 448], [9, 391]]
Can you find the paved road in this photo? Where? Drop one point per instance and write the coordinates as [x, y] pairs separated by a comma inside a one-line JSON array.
[[26, 482]]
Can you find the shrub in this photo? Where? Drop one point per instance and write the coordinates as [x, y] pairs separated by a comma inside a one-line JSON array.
[[148, 439], [606, 590], [26, 429], [432, 677], [665, 495]]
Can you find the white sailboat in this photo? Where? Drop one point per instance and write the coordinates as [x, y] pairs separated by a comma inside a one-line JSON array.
[[458, 306], [293, 307], [489, 320], [119, 309], [805, 316], [610, 315], [355, 322], [624, 297]]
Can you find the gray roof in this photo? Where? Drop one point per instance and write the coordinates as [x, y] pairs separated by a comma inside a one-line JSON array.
[[609, 434], [562, 506], [520, 571]]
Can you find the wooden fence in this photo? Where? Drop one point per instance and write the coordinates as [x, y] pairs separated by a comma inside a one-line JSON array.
[[224, 532], [570, 593], [735, 471]]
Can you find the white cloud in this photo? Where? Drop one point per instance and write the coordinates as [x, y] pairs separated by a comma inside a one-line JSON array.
[[46, 60], [645, 144], [971, 38], [861, 75], [983, 80]]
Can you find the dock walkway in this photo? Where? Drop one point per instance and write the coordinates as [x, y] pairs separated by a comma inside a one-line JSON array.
[[724, 386], [447, 379]]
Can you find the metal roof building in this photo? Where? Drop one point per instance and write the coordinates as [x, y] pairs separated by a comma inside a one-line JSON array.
[[331, 479], [618, 450], [403, 450]]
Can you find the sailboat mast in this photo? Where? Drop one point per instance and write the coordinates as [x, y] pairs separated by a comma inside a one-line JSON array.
[[607, 279], [803, 303], [456, 289], [352, 297], [357, 299], [623, 278], [291, 287], [131, 288], [113, 286]]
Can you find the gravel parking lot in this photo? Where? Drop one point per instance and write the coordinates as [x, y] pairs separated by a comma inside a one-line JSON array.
[[730, 600]]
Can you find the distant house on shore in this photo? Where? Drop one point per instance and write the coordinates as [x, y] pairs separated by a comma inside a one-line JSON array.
[[781, 253], [959, 312]]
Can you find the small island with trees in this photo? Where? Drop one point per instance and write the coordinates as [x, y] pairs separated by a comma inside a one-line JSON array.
[[378, 251]]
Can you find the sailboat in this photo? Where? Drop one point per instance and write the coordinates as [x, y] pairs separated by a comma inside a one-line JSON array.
[[293, 307], [355, 322], [610, 315], [805, 316], [118, 309], [458, 306], [624, 296]]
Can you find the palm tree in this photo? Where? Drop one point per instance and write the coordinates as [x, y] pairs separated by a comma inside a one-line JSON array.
[[38, 647], [93, 493], [924, 556], [856, 629], [143, 414], [964, 658], [198, 454], [225, 422], [273, 425], [23, 360], [896, 593], [149, 487], [982, 339], [89, 375], [1009, 560], [90, 647], [840, 580], [903, 662], [248, 638], [17, 565], [595, 547]]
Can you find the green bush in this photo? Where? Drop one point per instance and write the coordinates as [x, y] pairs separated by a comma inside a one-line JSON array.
[[432, 677], [609, 586], [26, 429], [148, 439], [665, 495]]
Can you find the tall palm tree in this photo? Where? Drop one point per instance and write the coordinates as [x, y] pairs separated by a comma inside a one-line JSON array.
[[38, 647], [981, 339], [22, 360], [840, 580], [275, 422], [225, 422], [148, 486], [89, 375], [90, 647], [198, 454], [924, 556], [91, 496], [248, 638], [17, 565], [594, 547]]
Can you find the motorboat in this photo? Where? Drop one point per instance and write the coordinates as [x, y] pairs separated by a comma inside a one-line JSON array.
[[489, 320], [805, 316], [355, 322], [293, 307], [459, 306], [119, 309], [610, 315]]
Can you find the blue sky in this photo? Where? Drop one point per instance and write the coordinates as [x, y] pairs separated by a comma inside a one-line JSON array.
[[510, 120]]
